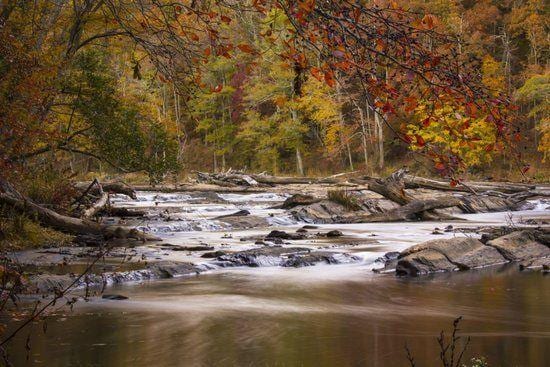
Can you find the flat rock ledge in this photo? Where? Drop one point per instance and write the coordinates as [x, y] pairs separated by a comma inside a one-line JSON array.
[[530, 248]]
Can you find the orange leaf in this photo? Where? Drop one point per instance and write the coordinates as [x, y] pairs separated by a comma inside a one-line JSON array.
[[218, 88], [316, 72], [329, 78], [246, 48], [225, 19]]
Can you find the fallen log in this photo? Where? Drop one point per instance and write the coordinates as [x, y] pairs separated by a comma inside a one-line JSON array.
[[392, 187], [68, 224], [122, 212], [109, 187], [97, 206], [414, 182]]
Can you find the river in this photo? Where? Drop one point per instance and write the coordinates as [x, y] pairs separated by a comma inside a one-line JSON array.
[[324, 315]]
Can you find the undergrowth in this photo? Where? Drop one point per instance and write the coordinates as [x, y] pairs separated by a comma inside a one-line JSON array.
[[344, 198], [18, 232]]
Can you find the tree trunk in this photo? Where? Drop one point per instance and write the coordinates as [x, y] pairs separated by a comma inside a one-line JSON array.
[[380, 135], [299, 164], [72, 225]]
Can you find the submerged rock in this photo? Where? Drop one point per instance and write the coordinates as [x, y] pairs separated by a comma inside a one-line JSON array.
[[114, 297]]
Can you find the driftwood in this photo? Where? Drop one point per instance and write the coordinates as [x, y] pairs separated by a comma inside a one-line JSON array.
[[98, 205], [392, 187], [109, 187], [414, 182], [68, 224], [233, 179]]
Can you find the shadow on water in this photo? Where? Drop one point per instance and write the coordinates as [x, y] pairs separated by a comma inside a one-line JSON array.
[[240, 319]]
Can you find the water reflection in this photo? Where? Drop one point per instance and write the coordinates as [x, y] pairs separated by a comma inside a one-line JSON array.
[[239, 319]]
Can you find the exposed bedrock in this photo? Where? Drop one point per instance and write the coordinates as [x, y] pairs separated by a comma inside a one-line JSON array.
[[530, 247]]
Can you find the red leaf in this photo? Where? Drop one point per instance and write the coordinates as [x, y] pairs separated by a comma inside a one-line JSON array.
[[218, 88], [420, 141], [225, 19], [426, 122]]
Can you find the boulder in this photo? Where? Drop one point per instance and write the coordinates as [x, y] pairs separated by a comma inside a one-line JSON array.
[[324, 211], [334, 233], [285, 235], [298, 200], [213, 255], [313, 258], [535, 264], [447, 255], [171, 269], [523, 245], [244, 222]]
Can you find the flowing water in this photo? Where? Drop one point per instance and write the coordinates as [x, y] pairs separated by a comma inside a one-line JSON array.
[[324, 315]]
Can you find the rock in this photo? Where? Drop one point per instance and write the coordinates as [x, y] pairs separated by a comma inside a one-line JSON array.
[[389, 260], [449, 228], [309, 226], [171, 269], [264, 256], [192, 248], [298, 200], [301, 230], [114, 297], [240, 213], [435, 231], [245, 222], [523, 245], [213, 255], [48, 283], [89, 240], [324, 211], [446, 255], [285, 235], [334, 233], [486, 203], [313, 258], [535, 264]]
